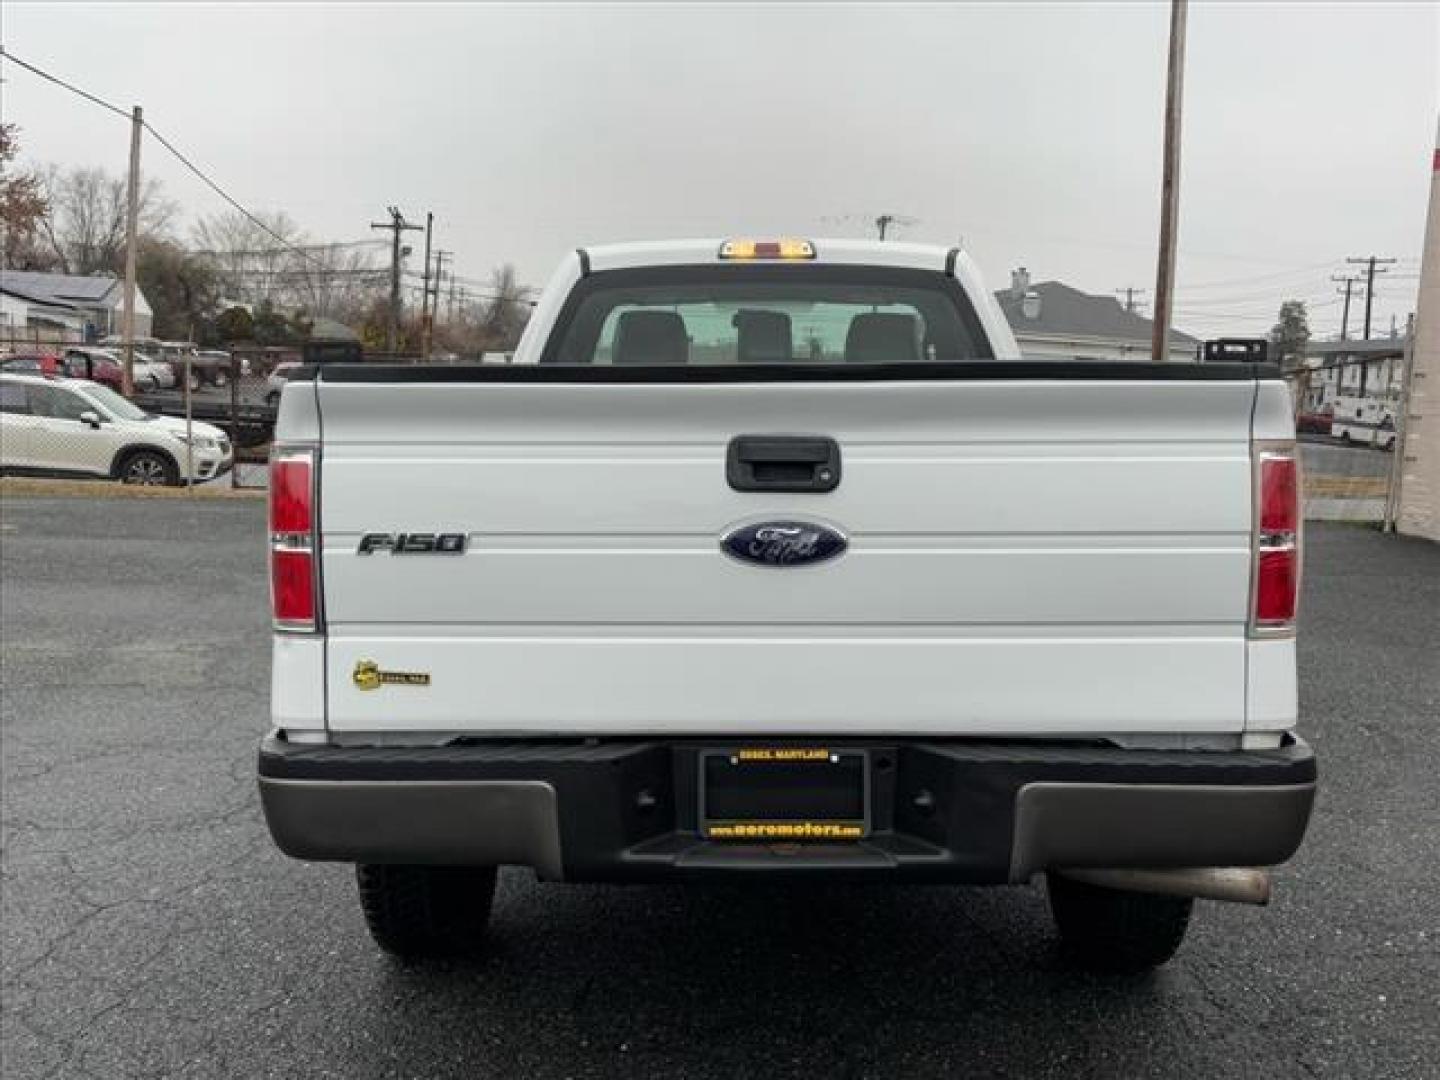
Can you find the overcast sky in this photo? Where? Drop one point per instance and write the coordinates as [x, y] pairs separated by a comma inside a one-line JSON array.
[[1029, 132]]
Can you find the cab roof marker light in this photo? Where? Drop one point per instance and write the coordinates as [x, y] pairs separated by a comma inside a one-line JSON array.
[[784, 248]]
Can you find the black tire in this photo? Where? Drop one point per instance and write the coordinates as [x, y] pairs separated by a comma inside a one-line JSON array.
[[426, 911], [1345, 437], [148, 468], [1115, 930], [272, 399]]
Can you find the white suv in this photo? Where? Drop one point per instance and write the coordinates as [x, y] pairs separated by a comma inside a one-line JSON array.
[[72, 427]]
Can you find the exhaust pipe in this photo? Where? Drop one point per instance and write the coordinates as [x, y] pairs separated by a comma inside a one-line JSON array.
[[1236, 884]]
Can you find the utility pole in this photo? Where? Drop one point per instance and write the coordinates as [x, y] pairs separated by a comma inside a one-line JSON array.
[[884, 222], [425, 317], [1169, 183], [1130, 292], [396, 225], [450, 306], [1349, 283], [1369, 261], [440, 259], [132, 228]]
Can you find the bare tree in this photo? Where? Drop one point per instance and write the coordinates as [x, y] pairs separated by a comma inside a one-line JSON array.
[[22, 209], [504, 313], [338, 281], [85, 225], [248, 259], [277, 263]]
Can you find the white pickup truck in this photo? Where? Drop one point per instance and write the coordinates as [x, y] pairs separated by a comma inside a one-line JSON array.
[[774, 558]]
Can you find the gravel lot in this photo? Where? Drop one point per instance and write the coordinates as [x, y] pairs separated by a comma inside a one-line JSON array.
[[150, 929]]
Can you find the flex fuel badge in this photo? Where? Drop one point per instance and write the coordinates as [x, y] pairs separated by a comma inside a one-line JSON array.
[[368, 676]]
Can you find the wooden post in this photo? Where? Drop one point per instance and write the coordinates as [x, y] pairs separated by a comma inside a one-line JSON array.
[[132, 227], [1170, 185], [425, 314]]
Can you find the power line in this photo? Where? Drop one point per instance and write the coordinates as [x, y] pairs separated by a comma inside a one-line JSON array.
[[68, 86], [415, 288], [215, 187], [1226, 282], [267, 252]]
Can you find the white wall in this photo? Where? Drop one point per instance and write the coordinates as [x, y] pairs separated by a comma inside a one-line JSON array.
[[1048, 347], [12, 314], [1420, 470]]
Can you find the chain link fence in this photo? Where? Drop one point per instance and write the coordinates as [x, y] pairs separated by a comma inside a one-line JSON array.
[[1351, 411], [219, 412]]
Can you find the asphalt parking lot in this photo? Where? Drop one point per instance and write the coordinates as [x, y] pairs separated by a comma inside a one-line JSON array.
[[150, 929]]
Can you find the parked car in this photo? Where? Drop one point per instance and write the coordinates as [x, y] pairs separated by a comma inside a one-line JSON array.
[[1313, 423], [151, 372], [97, 365], [708, 605], [209, 367], [277, 380], [71, 427], [213, 366], [32, 364]]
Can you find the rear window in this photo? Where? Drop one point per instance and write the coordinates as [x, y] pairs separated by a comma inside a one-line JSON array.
[[766, 314]]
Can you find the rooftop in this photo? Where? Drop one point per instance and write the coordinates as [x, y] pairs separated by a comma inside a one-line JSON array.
[[1066, 312], [57, 288]]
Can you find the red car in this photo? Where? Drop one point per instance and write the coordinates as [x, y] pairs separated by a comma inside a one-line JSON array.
[[95, 365]]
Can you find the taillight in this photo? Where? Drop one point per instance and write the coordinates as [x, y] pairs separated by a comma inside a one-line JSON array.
[[290, 497], [1275, 544], [294, 578]]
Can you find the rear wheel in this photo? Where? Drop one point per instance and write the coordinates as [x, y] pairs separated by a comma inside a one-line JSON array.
[[1116, 930], [148, 468], [426, 911]]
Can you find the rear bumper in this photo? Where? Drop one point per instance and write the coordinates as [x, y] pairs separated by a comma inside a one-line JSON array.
[[961, 811]]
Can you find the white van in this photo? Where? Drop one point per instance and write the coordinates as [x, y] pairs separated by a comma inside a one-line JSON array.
[[1364, 420]]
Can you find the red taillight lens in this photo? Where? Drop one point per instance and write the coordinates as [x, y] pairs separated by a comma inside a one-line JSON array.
[[1276, 544], [293, 570], [1279, 494], [290, 495], [292, 586], [1276, 584]]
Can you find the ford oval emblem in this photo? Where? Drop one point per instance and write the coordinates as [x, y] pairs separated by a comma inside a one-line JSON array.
[[784, 543]]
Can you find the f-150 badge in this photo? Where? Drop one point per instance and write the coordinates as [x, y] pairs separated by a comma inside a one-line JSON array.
[[783, 543], [368, 676], [415, 543]]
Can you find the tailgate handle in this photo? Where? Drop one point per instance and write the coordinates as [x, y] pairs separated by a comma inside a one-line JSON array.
[[783, 463]]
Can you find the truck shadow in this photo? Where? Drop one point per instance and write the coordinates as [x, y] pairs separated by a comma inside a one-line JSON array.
[[785, 979]]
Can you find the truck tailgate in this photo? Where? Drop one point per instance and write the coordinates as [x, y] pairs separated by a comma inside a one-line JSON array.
[[1036, 556]]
